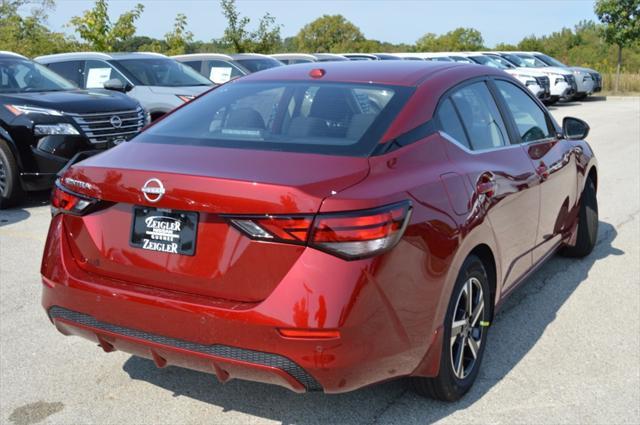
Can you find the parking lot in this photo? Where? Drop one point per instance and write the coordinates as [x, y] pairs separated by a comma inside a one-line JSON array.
[[564, 349]]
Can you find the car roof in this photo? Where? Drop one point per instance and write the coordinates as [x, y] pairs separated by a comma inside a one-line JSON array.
[[60, 57], [401, 73], [203, 56], [293, 56], [6, 54], [251, 56]]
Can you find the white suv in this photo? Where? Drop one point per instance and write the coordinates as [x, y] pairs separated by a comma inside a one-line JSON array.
[[537, 82], [562, 81], [156, 81], [589, 80]]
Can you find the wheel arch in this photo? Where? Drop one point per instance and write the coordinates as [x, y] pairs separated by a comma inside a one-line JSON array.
[[485, 254], [6, 137]]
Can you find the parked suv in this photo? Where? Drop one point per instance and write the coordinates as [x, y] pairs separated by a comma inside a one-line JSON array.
[[159, 83], [217, 67], [536, 81], [582, 75], [45, 121], [562, 82]]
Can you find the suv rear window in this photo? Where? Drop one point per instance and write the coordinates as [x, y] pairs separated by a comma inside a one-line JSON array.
[[331, 118]]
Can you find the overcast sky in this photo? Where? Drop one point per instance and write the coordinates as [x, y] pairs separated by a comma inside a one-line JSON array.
[[386, 20]]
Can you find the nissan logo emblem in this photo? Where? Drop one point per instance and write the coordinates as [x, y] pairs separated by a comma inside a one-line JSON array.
[[116, 121], [153, 190]]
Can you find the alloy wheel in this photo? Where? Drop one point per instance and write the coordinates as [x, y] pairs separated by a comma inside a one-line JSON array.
[[467, 328]]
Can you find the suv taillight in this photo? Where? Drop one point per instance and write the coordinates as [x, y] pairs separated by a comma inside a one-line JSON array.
[[350, 235], [64, 201]]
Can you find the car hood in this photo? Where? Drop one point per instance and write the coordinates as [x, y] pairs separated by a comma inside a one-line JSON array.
[[582, 69], [555, 70], [74, 101], [533, 72], [183, 90]]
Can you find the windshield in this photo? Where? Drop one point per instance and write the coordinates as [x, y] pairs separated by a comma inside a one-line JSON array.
[[259, 64], [486, 60], [550, 61], [330, 118], [532, 61], [20, 75], [162, 72], [461, 59], [501, 60]]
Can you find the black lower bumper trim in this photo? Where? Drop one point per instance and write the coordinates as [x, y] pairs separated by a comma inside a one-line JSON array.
[[233, 353]]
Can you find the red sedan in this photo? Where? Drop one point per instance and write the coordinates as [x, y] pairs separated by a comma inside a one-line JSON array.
[[322, 228]]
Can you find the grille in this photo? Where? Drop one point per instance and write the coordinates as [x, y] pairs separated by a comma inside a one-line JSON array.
[[225, 351], [572, 81], [543, 82], [103, 127]]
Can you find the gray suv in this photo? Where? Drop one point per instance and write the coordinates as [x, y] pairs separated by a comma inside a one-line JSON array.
[[159, 83]]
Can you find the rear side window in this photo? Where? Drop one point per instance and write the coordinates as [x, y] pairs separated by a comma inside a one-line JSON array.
[[451, 124], [72, 71], [530, 120], [96, 73], [331, 118], [480, 116], [220, 71]]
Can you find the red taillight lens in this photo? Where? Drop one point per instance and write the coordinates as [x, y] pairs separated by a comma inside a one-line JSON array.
[[64, 201], [350, 235], [291, 229], [360, 234]]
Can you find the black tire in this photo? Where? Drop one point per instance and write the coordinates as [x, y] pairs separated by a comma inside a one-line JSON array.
[[10, 189], [448, 386], [580, 96], [587, 224]]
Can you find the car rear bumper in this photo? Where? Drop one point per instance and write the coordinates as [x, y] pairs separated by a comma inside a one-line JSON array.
[[243, 340]]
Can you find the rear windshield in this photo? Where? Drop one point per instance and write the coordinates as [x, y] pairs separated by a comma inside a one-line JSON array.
[[329, 118]]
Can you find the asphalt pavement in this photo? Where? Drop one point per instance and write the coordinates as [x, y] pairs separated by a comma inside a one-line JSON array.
[[565, 348]]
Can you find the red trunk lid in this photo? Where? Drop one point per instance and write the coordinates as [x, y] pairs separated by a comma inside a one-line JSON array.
[[211, 181]]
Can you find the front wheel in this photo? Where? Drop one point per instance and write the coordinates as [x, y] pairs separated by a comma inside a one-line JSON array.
[[10, 190], [465, 335]]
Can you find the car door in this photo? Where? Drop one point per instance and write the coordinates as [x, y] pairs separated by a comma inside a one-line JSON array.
[[96, 73], [501, 175], [552, 157]]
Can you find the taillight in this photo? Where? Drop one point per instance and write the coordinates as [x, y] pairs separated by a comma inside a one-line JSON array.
[[360, 234], [350, 235], [64, 201]]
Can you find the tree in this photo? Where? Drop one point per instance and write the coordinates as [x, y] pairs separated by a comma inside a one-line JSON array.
[[266, 39], [621, 25], [178, 39], [460, 39], [95, 26], [329, 33], [28, 35]]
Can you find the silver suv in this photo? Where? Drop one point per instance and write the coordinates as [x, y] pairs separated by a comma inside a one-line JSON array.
[[159, 83]]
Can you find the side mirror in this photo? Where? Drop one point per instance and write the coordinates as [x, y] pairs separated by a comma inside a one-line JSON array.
[[574, 128], [117, 85]]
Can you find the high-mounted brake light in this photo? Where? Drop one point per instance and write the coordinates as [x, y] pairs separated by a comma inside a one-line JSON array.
[[317, 73], [350, 235], [64, 201]]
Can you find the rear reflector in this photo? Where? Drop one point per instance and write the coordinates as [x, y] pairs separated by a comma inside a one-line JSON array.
[[310, 333], [350, 235], [64, 201]]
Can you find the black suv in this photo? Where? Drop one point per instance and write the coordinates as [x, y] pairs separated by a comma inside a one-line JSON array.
[[46, 122]]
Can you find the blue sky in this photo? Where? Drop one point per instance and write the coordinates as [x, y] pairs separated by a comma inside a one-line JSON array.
[[387, 20]]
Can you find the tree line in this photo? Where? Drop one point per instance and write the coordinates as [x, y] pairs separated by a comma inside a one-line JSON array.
[[599, 45]]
